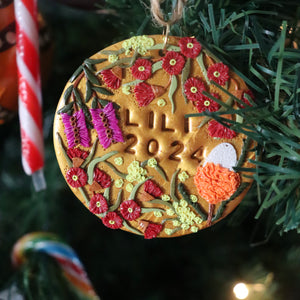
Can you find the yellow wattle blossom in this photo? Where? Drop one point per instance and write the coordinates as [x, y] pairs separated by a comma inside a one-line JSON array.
[[161, 102], [176, 223], [168, 231], [126, 89], [183, 176], [165, 197], [152, 162], [135, 172], [119, 183], [112, 58], [129, 187], [138, 43], [194, 229], [157, 214], [170, 212], [118, 161], [194, 198]]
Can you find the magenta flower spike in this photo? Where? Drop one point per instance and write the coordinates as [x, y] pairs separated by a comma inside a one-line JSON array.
[[106, 125], [75, 129]]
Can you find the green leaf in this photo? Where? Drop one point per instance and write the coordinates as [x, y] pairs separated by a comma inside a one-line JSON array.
[[76, 73], [88, 91], [68, 93], [91, 76], [172, 90], [102, 90]]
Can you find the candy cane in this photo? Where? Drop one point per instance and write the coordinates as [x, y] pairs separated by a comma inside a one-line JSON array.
[[71, 266], [30, 98]]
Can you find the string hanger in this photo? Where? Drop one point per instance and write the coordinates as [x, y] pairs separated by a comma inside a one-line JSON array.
[[158, 16]]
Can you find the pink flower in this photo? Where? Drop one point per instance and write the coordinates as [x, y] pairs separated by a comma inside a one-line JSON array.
[[152, 231], [208, 104], [112, 220], [98, 204], [143, 94], [130, 210], [102, 178], [152, 188], [142, 69], [215, 129], [173, 63], [76, 152], [193, 89], [189, 47], [110, 79], [76, 177], [218, 73]]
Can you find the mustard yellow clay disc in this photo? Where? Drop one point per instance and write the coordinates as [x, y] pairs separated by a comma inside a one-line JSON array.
[[132, 146]]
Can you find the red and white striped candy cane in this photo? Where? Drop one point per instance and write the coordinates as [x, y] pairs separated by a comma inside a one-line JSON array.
[[30, 98]]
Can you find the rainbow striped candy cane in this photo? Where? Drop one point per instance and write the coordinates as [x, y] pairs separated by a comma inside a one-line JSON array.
[[67, 259]]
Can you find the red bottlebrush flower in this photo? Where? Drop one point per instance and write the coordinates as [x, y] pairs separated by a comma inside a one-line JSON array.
[[173, 63], [76, 177], [102, 178], [215, 129], [208, 104], [143, 94], [152, 231], [142, 69], [218, 73], [189, 47], [76, 152], [112, 220], [98, 204], [110, 79], [130, 210], [250, 94], [193, 89], [152, 188]]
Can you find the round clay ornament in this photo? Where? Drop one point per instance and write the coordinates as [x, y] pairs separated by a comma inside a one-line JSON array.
[[133, 151]]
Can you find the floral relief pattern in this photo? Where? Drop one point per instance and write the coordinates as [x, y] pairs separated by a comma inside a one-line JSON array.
[[139, 192]]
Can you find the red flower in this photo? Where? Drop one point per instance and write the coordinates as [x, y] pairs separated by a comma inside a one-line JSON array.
[[76, 177], [218, 73], [102, 178], [173, 63], [76, 152], [130, 210], [152, 231], [110, 79], [142, 69], [152, 188], [112, 220], [189, 47], [208, 104], [250, 94], [143, 94], [193, 89], [98, 204], [215, 129]]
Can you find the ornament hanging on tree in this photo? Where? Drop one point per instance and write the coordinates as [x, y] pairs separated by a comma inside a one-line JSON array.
[[130, 147]]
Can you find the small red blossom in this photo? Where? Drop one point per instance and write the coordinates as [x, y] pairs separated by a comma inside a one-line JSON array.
[[250, 94], [76, 152], [102, 178], [152, 231], [189, 47], [193, 89], [110, 79], [142, 69], [143, 93], [208, 104], [130, 210], [173, 63], [215, 129], [76, 177], [152, 188], [218, 73], [98, 204], [112, 220]]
